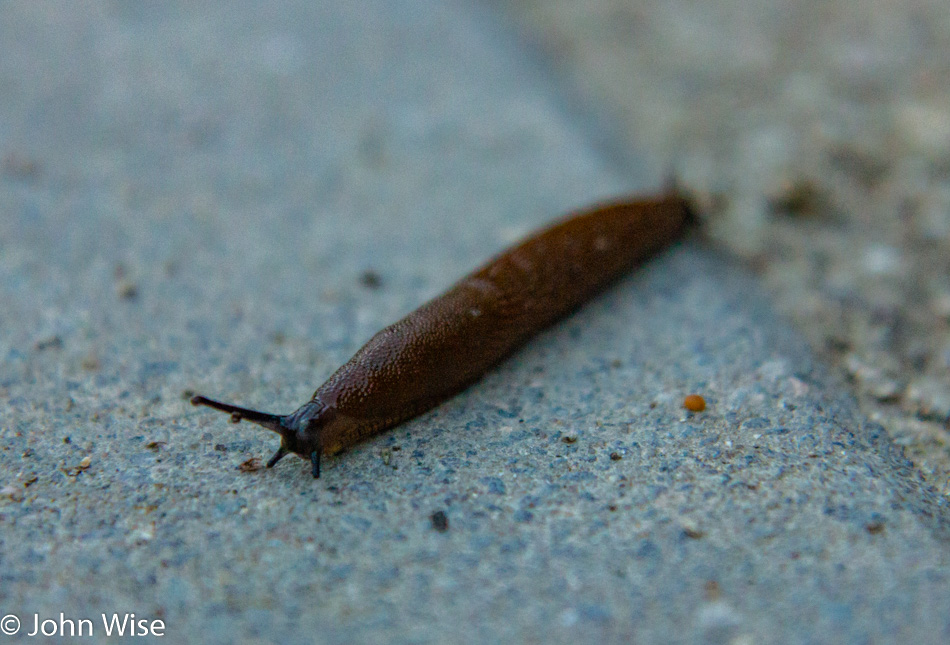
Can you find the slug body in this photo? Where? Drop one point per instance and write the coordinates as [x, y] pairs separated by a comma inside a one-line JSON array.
[[451, 341]]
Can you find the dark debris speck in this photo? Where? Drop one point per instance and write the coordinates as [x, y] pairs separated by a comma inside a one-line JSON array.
[[371, 279], [440, 521]]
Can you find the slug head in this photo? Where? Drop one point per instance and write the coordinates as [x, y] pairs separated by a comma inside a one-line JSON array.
[[299, 431]]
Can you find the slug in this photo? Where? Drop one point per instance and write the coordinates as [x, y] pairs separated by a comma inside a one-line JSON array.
[[451, 341]]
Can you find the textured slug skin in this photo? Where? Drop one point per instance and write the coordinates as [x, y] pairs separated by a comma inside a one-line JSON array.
[[451, 341]]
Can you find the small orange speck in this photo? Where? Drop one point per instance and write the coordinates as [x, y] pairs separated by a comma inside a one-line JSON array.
[[694, 403]]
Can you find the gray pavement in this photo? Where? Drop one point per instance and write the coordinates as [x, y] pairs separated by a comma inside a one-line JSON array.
[[188, 200]]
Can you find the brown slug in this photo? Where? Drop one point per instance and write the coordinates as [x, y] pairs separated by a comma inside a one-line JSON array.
[[451, 341]]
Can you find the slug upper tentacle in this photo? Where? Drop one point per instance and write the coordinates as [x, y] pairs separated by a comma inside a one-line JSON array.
[[451, 341]]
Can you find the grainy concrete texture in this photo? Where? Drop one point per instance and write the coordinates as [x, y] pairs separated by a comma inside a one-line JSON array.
[[192, 197]]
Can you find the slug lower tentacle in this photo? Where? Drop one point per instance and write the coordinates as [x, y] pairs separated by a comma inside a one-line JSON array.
[[451, 341]]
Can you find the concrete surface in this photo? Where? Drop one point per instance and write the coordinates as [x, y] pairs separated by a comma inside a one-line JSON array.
[[190, 198]]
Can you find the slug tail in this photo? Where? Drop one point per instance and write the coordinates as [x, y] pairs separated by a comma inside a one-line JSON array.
[[673, 189]]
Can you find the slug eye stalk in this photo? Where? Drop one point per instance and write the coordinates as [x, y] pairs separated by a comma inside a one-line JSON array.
[[270, 421]]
